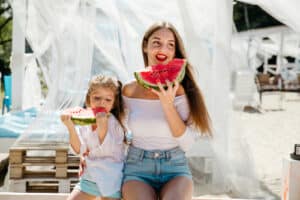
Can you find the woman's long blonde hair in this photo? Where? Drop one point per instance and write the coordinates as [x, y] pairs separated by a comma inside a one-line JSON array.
[[198, 110]]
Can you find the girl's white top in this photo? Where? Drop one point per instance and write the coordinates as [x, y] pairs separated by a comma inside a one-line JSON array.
[[104, 163], [150, 128]]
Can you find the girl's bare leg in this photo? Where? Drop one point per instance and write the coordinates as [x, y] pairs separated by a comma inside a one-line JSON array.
[[78, 195]]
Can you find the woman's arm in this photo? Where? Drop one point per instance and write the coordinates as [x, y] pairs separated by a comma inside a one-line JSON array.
[[167, 97]]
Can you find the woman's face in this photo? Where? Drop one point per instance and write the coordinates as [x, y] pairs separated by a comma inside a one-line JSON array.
[[160, 48]]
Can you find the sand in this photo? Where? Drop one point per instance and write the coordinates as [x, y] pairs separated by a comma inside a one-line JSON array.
[[271, 135]]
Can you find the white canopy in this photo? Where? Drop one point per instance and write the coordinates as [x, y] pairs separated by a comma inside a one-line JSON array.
[[74, 39], [287, 12]]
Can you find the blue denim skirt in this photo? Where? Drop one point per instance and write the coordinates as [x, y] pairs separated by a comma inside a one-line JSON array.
[[155, 167]]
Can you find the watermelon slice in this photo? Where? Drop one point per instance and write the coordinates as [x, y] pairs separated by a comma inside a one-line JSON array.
[[81, 116], [151, 75]]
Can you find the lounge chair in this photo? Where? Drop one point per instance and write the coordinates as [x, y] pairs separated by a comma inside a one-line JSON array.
[[6, 104], [266, 83]]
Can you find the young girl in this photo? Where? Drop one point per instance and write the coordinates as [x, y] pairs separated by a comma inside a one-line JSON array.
[[102, 146]]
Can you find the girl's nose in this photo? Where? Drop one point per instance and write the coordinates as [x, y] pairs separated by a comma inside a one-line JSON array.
[[102, 102]]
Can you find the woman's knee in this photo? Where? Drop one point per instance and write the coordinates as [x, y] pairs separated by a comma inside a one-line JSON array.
[[180, 188], [136, 190]]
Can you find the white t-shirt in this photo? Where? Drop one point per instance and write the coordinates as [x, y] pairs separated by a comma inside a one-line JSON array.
[[150, 128]]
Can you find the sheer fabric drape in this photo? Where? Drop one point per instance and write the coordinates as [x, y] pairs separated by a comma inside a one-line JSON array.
[[73, 40]]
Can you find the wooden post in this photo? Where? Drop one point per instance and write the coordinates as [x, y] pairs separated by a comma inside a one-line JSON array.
[[18, 52], [290, 180]]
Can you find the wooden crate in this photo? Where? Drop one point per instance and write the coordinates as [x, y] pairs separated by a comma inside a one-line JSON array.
[[48, 159], [41, 185], [42, 167]]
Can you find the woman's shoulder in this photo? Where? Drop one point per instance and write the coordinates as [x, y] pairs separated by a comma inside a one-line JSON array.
[[129, 88], [180, 91]]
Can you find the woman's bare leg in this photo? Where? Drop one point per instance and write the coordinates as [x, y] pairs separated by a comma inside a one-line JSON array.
[[179, 188], [78, 195], [137, 190]]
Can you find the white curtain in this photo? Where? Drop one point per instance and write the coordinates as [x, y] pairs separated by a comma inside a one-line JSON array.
[[284, 11], [75, 39]]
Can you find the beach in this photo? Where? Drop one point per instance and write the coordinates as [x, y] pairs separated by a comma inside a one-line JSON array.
[[270, 135]]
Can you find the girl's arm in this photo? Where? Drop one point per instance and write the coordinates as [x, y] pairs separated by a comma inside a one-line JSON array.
[[74, 139]]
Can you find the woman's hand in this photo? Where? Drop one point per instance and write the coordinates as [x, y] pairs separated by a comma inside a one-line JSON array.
[[167, 96]]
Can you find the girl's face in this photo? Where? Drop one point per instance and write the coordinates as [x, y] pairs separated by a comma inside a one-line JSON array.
[[160, 48], [102, 97]]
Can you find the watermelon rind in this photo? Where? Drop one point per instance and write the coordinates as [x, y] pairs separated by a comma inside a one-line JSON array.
[[149, 85], [83, 121]]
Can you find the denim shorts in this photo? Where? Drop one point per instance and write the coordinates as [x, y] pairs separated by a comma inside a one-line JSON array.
[[91, 188], [156, 167]]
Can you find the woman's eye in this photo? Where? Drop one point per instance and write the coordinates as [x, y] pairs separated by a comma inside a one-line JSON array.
[[171, 45], [156, 43]]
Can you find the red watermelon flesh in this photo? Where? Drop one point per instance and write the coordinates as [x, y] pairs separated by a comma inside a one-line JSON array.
[[81, 116], [151, 75]]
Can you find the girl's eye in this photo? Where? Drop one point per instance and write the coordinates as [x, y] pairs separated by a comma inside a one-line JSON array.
[[97, 98], [108, 100]]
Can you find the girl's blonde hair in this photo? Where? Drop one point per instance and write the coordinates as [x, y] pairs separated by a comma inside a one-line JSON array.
[[199, 113], [113, 84]]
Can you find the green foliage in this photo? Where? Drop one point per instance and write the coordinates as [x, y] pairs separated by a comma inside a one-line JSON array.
[[257, 18], [5, 36]]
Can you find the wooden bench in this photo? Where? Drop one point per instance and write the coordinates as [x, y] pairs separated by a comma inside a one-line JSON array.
[[63, 196]]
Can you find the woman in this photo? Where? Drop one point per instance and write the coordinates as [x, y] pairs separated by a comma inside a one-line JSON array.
[[164, 124]]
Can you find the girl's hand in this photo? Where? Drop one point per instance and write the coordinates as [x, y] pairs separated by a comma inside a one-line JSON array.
[[167, 96], [66, 119], [82, 163]]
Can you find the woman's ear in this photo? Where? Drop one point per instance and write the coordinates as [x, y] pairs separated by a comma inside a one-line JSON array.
[[145, 47]]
